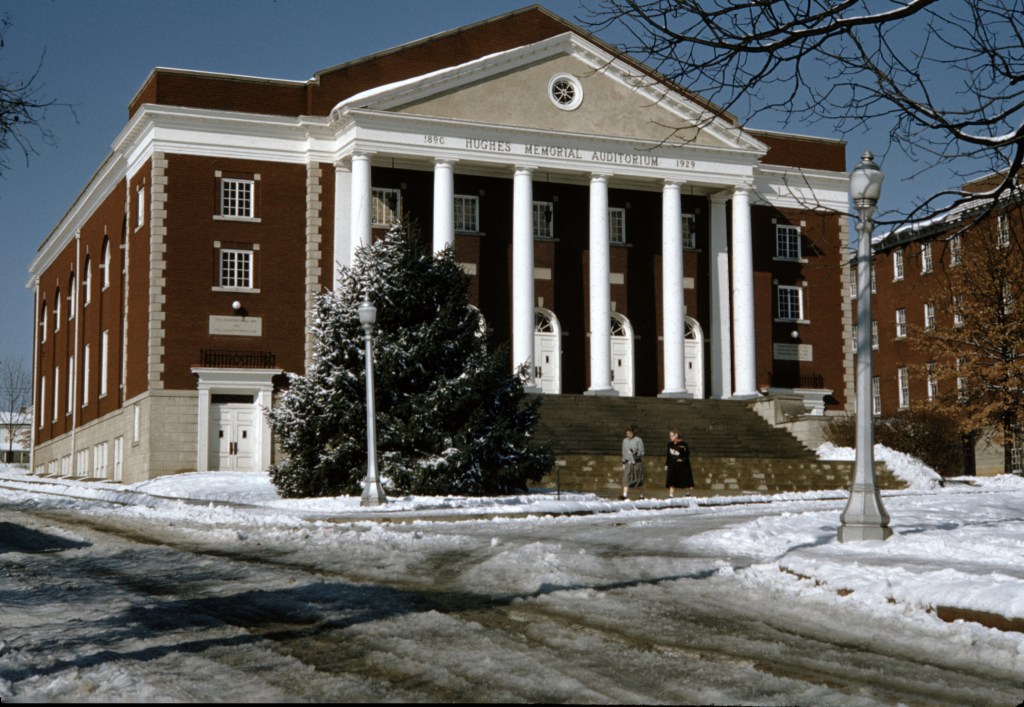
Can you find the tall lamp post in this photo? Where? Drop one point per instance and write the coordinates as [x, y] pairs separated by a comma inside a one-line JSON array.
[[373, 493], [864, 517]]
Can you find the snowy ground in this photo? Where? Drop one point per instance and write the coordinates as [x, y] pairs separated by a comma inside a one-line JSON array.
[[577, 565]]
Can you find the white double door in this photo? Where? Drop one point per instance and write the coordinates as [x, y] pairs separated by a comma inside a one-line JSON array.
[[232, 436]]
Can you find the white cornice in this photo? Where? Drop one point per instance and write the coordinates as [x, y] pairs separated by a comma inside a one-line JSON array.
[[195, 131], [406, 135], [807, 189]]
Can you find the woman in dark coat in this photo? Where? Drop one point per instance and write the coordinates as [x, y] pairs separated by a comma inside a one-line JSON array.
[[678, 473]]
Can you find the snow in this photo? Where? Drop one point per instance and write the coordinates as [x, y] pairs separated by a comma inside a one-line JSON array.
[[958, 544]]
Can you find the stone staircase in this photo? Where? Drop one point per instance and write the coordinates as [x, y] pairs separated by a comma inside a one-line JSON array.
[[732, 449]]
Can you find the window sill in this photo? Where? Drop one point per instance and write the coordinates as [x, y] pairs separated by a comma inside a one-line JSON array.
[[242, 290], [780, 259], [780, 320], [243, 219]]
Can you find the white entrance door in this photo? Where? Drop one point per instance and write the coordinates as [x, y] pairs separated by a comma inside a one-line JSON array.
[[693, 350], [547, 355], [232, 433], [622, 355]]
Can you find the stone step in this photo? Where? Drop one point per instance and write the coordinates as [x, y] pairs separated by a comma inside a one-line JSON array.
[[590, 424]]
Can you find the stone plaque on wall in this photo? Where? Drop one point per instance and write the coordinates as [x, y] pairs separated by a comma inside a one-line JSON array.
[[793, 352], [236, 326]]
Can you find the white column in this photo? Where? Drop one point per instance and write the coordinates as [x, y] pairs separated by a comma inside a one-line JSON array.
[[203, 425], [444, 204], [673, 308], [600, 290], [743, 296], [522, 274], [721, 314], [342, 220], [360, 234]]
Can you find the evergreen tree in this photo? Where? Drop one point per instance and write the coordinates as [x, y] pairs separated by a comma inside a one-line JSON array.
[[450, 418]]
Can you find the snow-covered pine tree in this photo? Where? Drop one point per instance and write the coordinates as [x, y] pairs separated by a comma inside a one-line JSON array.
[[451, 419]]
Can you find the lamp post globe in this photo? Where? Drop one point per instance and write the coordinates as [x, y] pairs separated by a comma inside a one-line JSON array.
[[864, 517], [373, 493]]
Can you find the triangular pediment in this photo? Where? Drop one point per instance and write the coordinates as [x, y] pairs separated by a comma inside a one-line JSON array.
[[513, 89]]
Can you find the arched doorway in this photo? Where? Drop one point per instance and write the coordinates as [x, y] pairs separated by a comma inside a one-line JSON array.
[[622, 355], [693, 352], [547, 351]]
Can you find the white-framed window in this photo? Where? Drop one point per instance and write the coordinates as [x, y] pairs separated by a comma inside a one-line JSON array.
[[961, 381], [105, 264], [876, 397], [65, 465], [44, 323], [933, 382], [897, 265], [136, 423], [386, 206], [874, 334], [874, 287], [791, 304], [236, 268], [903, 386], [237, 197], [543, 219], [926, 258], [56, 392], [901, 323], [140, 206], [929, 316], [42, 400], [71, 374], [104, 352], [689, 232], [467, 213], [787, 242], [565, 91], [1003, 231], [87, 282], [958, 315], [56, 311], [99, 460], [85, 375], [616, 225], [72, 296], [82, 465], [956, 253]]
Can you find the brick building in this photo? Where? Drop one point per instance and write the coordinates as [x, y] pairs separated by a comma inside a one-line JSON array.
[[622, 237], [914, 291]]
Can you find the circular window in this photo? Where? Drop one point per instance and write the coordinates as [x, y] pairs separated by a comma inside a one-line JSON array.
[[565, 91]]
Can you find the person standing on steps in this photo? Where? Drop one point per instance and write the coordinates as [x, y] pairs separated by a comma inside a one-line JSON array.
[[632, 463], [678, 473]]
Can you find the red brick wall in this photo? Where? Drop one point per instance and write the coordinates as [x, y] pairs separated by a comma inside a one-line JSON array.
[[279, 264], [138, 288], [102, 312], [799, 151]]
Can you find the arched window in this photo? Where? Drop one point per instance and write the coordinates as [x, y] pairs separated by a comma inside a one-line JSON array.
[[87, 281], [56, 311], [43, 326], [72, 296], [105, 263]]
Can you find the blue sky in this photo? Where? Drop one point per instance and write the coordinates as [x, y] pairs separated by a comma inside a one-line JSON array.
[[96, 55]]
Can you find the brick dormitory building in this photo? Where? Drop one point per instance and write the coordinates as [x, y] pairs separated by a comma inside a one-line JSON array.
[[913, 274], [619, 233]]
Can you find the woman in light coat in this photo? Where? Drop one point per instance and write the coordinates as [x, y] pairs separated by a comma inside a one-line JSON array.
[[632, 463]]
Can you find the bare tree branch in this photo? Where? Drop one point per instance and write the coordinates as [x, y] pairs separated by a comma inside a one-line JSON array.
[[23, 108], [944, 81]]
